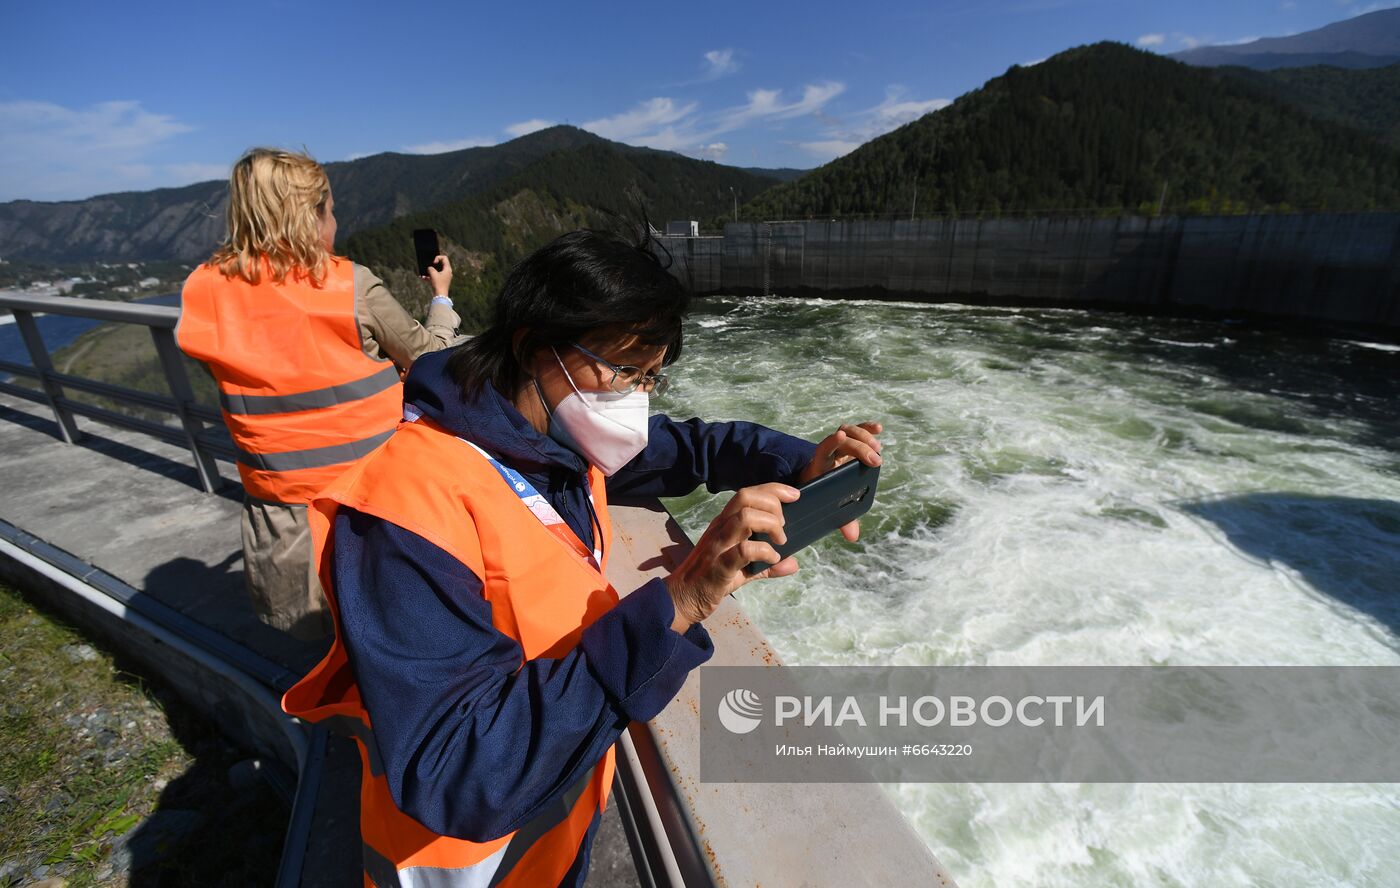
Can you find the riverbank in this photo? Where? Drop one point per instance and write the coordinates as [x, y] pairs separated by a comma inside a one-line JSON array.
[[60, 331], [124, 355]]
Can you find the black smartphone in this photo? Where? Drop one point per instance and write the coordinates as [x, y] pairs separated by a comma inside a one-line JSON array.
[[841, 495], [425, 244]]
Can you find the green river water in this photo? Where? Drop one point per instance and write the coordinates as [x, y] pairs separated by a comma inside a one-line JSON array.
[[1064, 487]]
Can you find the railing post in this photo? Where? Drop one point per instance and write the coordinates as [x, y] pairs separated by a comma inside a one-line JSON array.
[[171, 361], [39, 357]]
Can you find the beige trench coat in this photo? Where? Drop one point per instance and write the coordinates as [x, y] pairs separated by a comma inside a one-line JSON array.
[[277, 568]]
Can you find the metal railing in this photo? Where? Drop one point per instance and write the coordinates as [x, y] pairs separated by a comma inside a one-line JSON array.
[[679, 836], [204, 443]]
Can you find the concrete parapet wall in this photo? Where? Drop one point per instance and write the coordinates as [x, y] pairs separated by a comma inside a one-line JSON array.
[[746, 833], [1340, 267]]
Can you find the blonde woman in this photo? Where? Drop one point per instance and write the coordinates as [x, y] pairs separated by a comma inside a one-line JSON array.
[[308, 350]]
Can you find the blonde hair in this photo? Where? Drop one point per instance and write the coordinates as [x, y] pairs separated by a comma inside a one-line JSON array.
[[276, 199]]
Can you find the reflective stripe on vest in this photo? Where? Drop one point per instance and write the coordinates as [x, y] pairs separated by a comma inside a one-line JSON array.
[[256, 405], [543, 595], [313, 457], [300, 397]]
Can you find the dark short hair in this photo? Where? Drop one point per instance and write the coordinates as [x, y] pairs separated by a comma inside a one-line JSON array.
[[582, 282]]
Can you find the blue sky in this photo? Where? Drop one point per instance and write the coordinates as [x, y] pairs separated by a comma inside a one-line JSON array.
[[108, 97]]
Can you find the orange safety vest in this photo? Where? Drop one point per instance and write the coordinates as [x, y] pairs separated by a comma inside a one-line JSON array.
[[543, 591], [299, 395]]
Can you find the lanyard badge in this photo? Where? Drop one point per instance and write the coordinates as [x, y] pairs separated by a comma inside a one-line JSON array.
[[541, 508]]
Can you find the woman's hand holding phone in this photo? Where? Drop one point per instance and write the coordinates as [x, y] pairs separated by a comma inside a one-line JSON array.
[[715, 567], [850, 441], [440, 275], [432, 263]]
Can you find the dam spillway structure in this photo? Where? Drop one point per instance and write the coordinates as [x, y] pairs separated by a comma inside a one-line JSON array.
[[1339, 268]]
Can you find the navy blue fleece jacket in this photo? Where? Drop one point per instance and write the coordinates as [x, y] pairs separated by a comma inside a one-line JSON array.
[[474, 740]]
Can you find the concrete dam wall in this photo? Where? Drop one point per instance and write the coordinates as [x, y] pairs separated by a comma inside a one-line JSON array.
[[1338, 267]]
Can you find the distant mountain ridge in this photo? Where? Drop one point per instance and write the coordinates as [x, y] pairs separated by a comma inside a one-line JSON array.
[[1365, 41], [1102, 128], [168, 223], [596, 186], [185, 224]]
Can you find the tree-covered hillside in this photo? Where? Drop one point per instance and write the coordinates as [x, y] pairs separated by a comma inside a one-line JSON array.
[[374, 190], [1102, 128], [594, 186], [1366, 99]]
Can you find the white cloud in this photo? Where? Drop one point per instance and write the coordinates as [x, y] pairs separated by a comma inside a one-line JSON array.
[[186, 173], [106, 126], [53, 152], [525, 127], [829, 150], [719, 62], [642, 119], [1033, 62], [1353, 12], [767, 104], [668, 139], [895, 111], [842, 137], [1191, 41], [713, 151], [1152, 40], [666, 124], [444, 147]]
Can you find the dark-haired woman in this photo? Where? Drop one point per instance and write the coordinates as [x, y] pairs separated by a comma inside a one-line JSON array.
[[482, 658]]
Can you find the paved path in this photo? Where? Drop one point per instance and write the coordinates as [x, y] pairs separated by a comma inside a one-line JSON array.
[[131, 505]]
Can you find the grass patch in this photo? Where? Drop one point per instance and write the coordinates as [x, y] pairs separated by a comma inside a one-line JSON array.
[[104, 776], [125, 355]]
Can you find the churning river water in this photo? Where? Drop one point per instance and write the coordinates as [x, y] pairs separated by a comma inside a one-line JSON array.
[[1064, 487]]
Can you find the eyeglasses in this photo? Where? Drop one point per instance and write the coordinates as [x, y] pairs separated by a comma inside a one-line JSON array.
[[626, 378]]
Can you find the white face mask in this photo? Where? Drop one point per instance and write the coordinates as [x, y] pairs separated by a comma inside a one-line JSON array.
[[605, 428]]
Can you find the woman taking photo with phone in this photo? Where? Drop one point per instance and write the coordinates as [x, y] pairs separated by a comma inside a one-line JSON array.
[[482, 659], [307, 349]]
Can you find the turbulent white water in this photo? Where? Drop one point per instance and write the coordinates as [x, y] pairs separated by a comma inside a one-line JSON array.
[[1069, 488]]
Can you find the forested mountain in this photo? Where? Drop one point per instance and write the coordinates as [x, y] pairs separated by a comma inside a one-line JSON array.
[[782, 174], [1212, 56], [600, 185], [185, 224], [1366, 99], [179, 224], [1364, 41], [373, 190], [1102, 128]]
